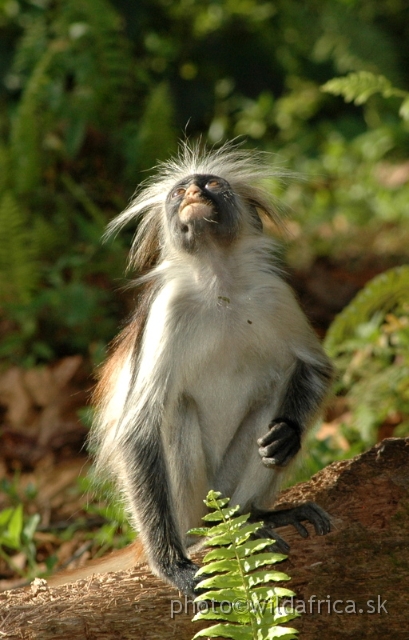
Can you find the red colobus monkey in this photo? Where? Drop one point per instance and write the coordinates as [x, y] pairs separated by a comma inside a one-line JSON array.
[[218, 376]]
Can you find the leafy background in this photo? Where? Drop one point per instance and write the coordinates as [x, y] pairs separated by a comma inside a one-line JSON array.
[[92, 94]]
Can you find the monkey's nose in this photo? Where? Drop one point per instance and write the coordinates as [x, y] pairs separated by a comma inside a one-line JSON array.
[[193, 193]]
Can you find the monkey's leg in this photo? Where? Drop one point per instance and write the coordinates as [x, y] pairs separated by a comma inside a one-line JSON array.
[[148, 492]]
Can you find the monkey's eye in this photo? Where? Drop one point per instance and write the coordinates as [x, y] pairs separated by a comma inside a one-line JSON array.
[[213, 184], [180, 191]]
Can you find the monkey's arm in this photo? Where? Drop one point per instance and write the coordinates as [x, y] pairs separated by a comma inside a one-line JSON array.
[[304, 395], [307, 389]]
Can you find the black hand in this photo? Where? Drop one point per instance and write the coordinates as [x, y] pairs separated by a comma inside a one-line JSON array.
[[280, 444]]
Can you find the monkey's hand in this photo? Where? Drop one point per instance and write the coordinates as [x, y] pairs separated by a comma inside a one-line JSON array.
[[280, 444]]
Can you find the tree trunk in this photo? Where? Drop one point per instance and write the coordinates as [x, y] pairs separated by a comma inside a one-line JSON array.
[[359, 571]]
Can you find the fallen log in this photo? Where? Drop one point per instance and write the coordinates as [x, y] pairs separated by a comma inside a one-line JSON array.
[[352, 583]]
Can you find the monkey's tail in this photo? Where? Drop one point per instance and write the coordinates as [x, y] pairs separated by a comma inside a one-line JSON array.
[[120, 560]]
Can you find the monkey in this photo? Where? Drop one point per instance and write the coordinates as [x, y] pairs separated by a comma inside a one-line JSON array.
[[218, 375]]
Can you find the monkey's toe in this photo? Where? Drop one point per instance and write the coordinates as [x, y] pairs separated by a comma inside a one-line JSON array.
[[309, 511], [278, 544]]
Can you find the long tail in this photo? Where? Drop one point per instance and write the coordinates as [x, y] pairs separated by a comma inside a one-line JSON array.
[[120, 560]]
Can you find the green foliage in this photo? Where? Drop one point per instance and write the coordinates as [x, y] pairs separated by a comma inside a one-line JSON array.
[[239, 577], [93, 93], [359, 87], [72, 65], [116, 532], [369, 341], [17, 533], [154, 138], [18, 264]]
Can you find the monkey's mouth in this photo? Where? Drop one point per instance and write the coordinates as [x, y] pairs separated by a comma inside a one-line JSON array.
[[193, 211]]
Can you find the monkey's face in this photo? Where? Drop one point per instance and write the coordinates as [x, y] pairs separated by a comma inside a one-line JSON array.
[[202, 208]]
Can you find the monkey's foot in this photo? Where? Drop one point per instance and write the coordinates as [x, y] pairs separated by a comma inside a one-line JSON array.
[[280, 444], [183, 576], [308, 511], [278, 544]]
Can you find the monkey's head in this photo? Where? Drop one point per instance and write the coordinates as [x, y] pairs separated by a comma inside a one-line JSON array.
[[202, 208], [197, 198]]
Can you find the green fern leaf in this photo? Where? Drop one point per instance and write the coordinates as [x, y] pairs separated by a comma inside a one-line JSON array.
[[25, 138], [4, 168], [381, 295], [358, 87], [225, 631], [240, 577], [19, 270], [404, 109]]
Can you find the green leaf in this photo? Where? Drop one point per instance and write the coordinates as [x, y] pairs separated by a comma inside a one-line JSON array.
[[220, 581], [264, 593], [222, 595], [235, 581], [232, 526], [262, 559], [224, 553], [218, 565], [12, 534], [380, 295], [404, 109], [30, 527], [266, 576], [198, 531], [5, 516], [226, 631], [215, 516], [358, 87], [287, 633], [229, 614], [252, 546]]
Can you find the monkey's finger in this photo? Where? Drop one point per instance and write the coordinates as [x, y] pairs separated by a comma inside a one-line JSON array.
[[314, 514], [279, 453], [270, 450], [320, 519], [280, 450], [270, 436], [279, 431]]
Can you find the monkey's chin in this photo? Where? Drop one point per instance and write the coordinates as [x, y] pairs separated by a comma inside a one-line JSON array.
[[195, 211]]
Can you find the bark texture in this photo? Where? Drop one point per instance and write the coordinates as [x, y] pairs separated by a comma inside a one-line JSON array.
[[365, 559]]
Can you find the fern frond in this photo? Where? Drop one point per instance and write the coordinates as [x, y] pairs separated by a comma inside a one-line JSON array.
[[19, 270], [99, 62], [240, 579], [25, 138], [381, 295], [360, 86], [156, 138], [32, 46], [4, 168]]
